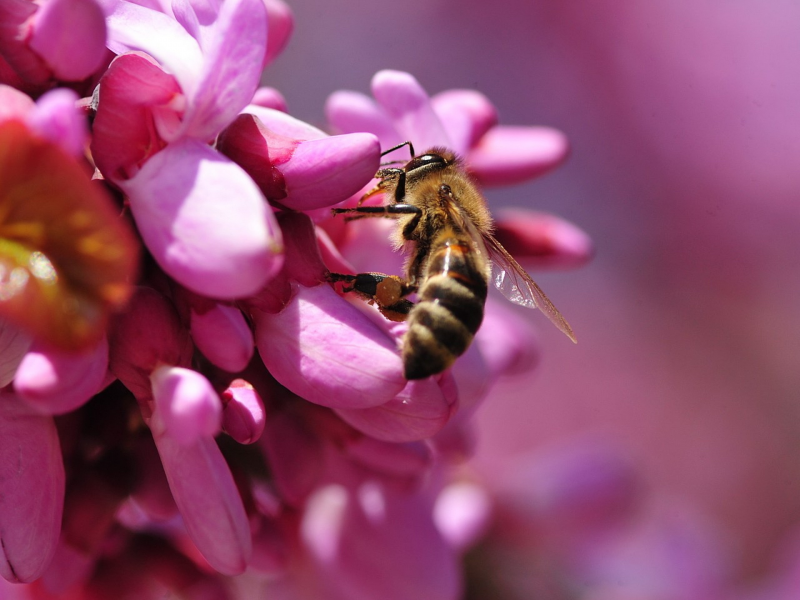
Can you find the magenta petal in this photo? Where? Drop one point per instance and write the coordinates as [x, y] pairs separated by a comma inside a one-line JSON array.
[[327, 351], [342, 530], [233, 51], [268, 97], [416, 413], [462, 513], [466, 116], [243, 415], [509, 155], [352, 112], [326, 171], [285, 125], [509, 343], [223, 336], [205, 221], [409, 459], [542, 240], [207, 497], [58, 382], [31, 490], [57, 118], [14, 343], [187, 407], [70, 36], [280, 23], [409, 107]]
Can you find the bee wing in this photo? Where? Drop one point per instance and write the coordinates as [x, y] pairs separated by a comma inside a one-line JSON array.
[[516, 285]]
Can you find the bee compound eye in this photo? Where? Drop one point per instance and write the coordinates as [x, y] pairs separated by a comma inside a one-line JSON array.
[[426, 160]]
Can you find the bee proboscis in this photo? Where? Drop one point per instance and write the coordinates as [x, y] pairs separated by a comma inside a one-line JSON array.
[[446, 226]]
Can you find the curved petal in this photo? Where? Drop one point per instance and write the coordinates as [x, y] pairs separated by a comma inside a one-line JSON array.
[[14, 104], [31, 490], [280, 23], [223, 336], [416, 413], [508, 155], [283, 124], [269, 97], [243, 416], [58, 382], [327, 351], [57, 118], [508, 342], [328, 170], [70, 36], [466, 116], [205, 221], [351, 112], [187, 407], [206, 495], [409, 107]]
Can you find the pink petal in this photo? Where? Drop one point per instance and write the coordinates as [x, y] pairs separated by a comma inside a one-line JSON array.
[[509, 155], [325, 350], [233, 49], [123, 135], [271, 550], [303, 260], [281, 23], [542, 240], [206, 495], [70, 567], [243, 416], [57, 382], [31, 490], [187, 407], [416, 413], [466, 116], [269, 98], [284, 125], [342, 530], [205, 221], [147, 335], [26, 64], [409, 107], [223, 336], [57, 118], [410, 459], [508, 342], [151, 493], [70, 36], [352, 112], [462, 514], [14, 343], [326, 171], [14, 104]]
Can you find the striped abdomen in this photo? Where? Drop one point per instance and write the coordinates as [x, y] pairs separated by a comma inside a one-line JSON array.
[[449, 311]]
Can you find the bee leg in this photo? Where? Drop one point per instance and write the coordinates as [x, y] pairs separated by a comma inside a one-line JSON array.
[[389, 211], [393, 148], [388, 292]]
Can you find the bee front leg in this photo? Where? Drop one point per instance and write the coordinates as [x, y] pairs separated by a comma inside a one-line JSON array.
[[388, 292], [391, 211]]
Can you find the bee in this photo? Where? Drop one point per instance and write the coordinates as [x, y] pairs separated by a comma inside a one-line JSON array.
[[447, 228]]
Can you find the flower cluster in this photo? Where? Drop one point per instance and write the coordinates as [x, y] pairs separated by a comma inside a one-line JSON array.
[[186, 396]]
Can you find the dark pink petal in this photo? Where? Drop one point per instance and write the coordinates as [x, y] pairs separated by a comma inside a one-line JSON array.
[[281, 23], [508, 342], [473, 378], [542, 240], [205, 221], [410, 459], [14, 343], [29, 68], [147, 335], [233, 49], [285, 125], [14, 104], [416, 413], [409, 107], [351, 112], [462, 513], [187, 407], [303, 260], [271, 550], [243, 416], [58, 119], [70, 36], [326, 171], [466, 116], [55, 382], [31, 490], [508, 155], [124, 133], [342, 529], [327, 351], [269, 97], [70, 567], [151, 494], [223, 336], [206, 495]]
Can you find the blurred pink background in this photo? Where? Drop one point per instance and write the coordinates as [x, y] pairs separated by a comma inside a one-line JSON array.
[[684, 120]]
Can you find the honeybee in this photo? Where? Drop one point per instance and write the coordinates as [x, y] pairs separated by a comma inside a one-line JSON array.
[[446, 226]]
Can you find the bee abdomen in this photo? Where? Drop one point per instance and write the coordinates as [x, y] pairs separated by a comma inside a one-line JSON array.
[[441, 325]]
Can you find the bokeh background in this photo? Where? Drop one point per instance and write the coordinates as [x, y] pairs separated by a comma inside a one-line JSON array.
[[684, 123]]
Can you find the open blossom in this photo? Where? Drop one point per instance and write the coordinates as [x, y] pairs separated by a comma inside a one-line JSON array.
[[224, 408]]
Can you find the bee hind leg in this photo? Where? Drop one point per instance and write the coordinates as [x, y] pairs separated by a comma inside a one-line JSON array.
[[388, 292]]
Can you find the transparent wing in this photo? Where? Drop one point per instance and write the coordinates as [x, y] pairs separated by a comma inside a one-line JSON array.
[[516, 285]]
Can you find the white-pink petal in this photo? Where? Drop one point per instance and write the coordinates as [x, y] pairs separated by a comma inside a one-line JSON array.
[[205, 221]]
